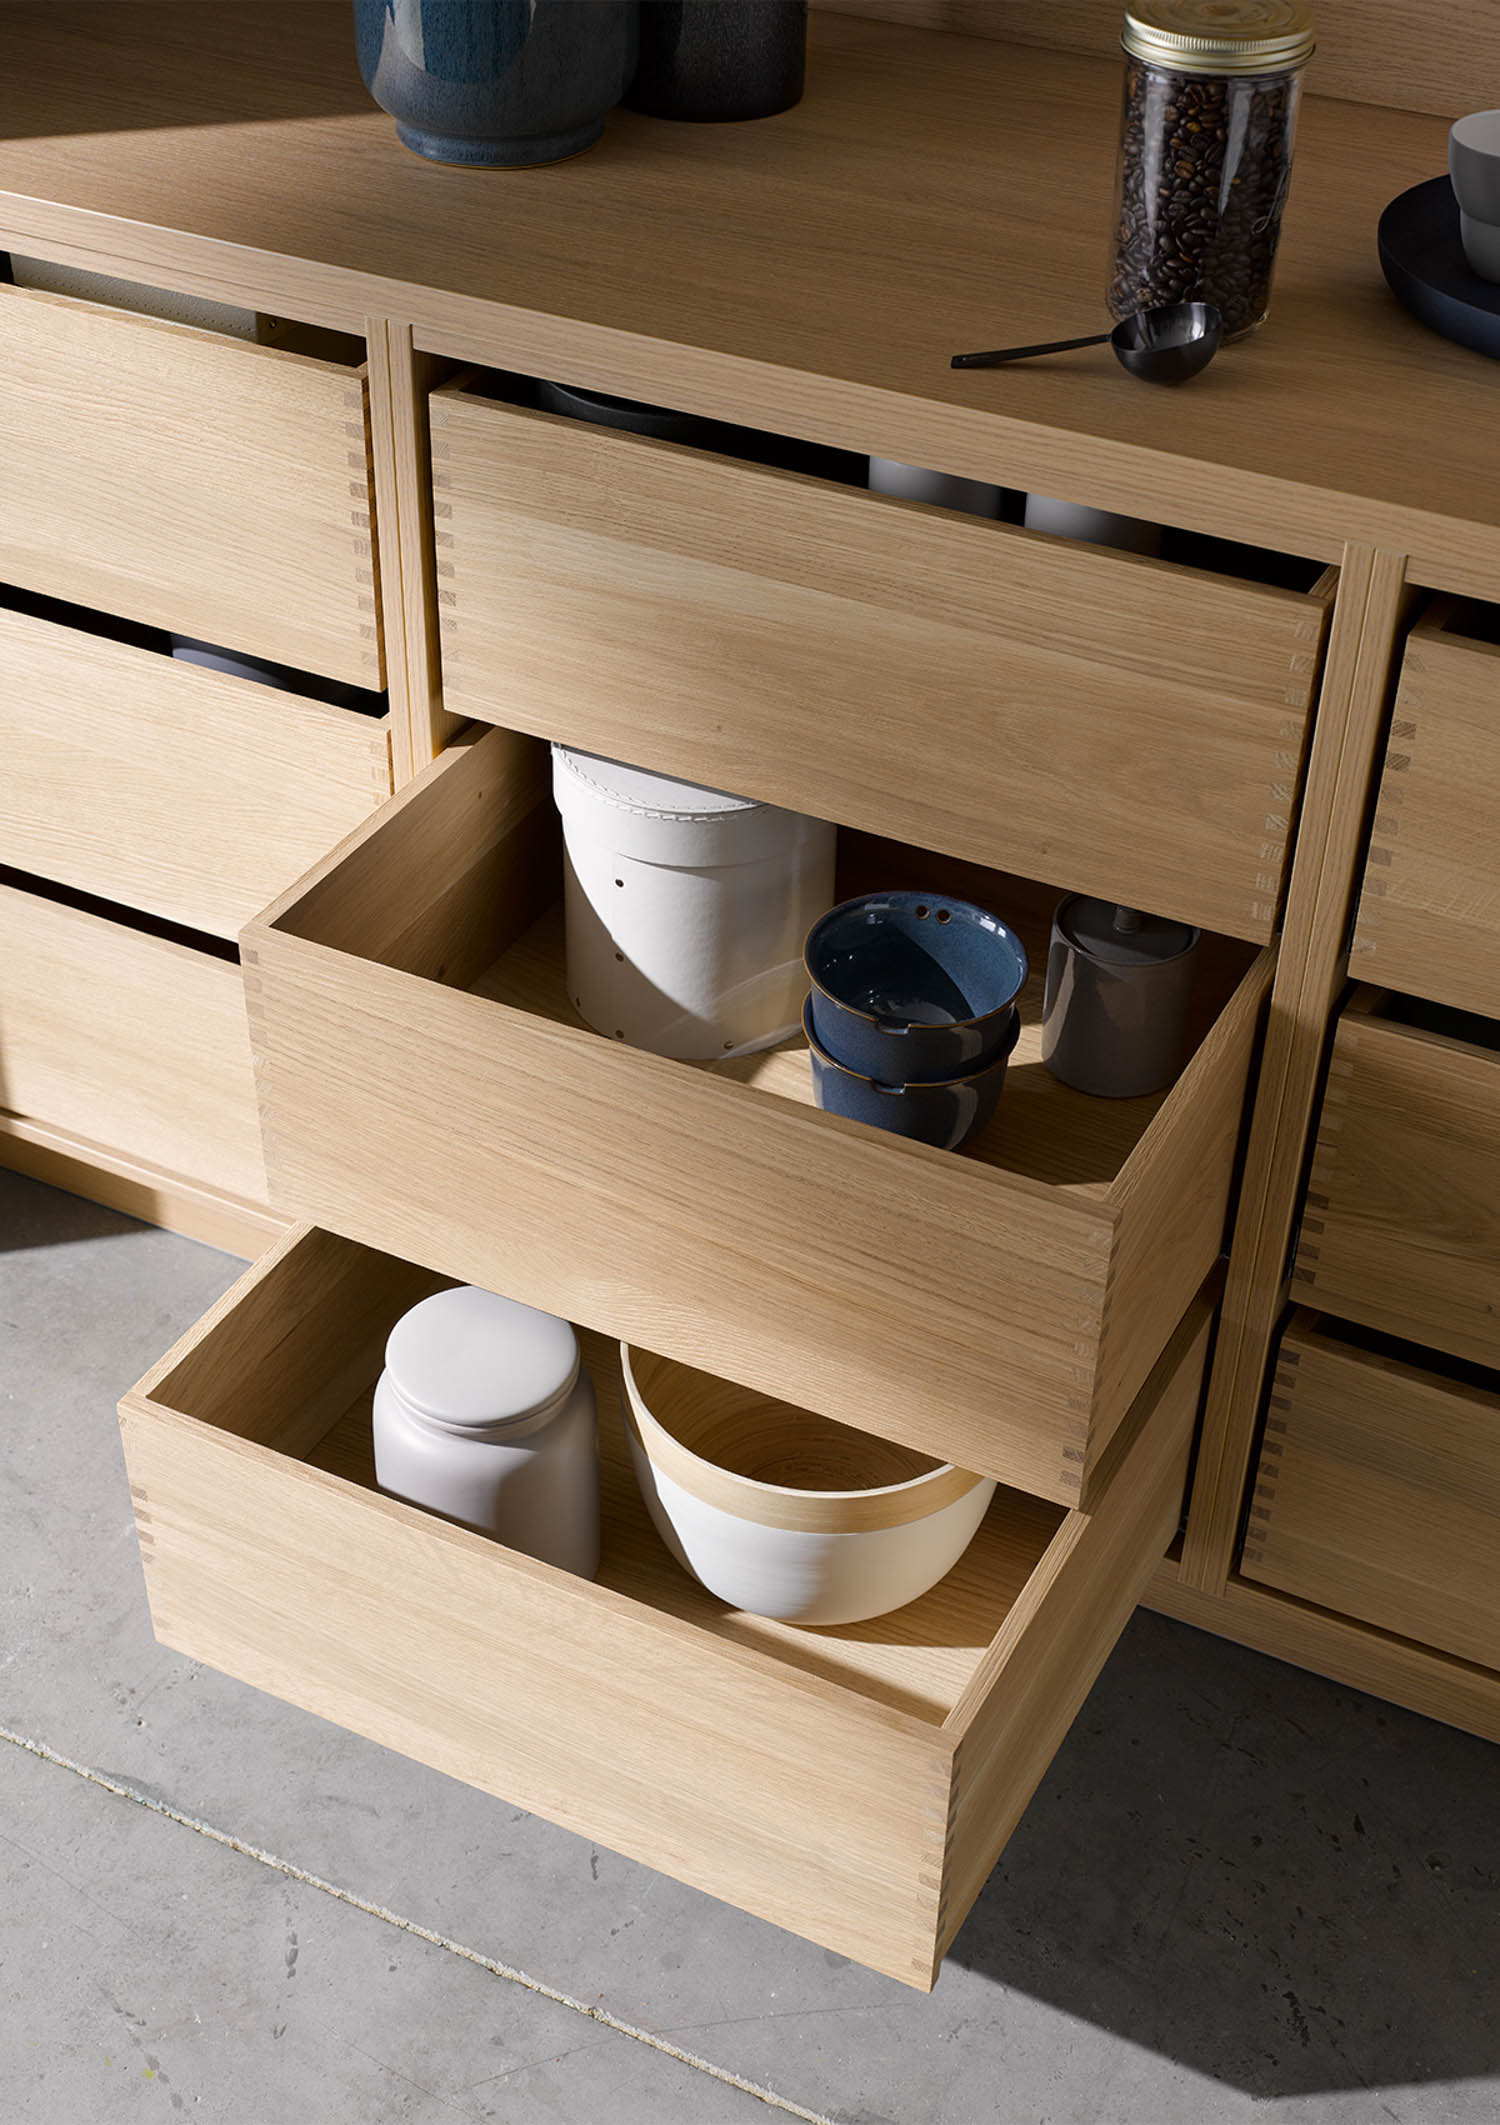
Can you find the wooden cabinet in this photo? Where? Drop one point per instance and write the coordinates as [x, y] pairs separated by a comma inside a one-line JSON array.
[[182, 792], [420, 1065], [127, 1041], [1378, 1492], [1402, 1230], [1123, 726], [1429, 910], [853, 1784], [188, 480]]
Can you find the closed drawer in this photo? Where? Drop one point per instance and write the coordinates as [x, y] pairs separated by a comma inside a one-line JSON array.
[[179, 791], [132, 1042], [426, 1087], [188, 480], [854, 1785], [1429, 913], [1117, 725], [1402, 1230], [1379, 1489]]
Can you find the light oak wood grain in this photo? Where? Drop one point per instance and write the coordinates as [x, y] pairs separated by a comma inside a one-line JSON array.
[[1402, 1228], [63, 1159], [134, 1042], [1017, 1708], [1429, 913], [1117, 725], [831, 260], [1372, 600], [400, 382], [1378, 1493], [1370, 51], [803, 1774], [179, 791], [1353, 1653], [187, 480], [955, 1303]]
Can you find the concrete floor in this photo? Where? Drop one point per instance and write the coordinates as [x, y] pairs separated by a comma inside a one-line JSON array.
[[1241, 1894]]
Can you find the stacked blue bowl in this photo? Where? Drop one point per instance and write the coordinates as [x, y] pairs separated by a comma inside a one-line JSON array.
[[912, 1014]]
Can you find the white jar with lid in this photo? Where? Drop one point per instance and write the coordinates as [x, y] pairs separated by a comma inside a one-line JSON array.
[[485, 1414], [686, 908]]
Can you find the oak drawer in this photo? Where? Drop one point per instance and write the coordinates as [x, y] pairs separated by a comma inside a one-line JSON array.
[[425, 1087], [1378, 1493], [132, 1042], [1121, 726], [182, 792], [1429, 912], [1402, 1229], [188, 480], [854, 1785]]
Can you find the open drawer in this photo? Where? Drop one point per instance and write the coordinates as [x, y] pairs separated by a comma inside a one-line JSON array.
[[1402, 1229], [425, 1087], [1058, 710], [1429, 912], [182, 792], [853, 1784], [189, 480], [133, 1043]]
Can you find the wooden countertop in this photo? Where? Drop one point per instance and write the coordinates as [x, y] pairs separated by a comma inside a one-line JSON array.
[[812, 272]]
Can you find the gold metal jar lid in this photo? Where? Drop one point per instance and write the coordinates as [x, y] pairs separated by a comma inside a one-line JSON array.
[[1220, 36]]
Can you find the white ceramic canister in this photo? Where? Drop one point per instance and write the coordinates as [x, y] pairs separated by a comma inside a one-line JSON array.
[[686, 908], [1099, 527], [485, 1414], [946, 490]]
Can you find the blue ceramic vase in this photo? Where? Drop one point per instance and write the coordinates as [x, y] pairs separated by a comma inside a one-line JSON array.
[[496, 84]]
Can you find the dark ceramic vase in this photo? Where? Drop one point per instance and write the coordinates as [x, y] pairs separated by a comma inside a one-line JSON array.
[[710, 60], [496, 83]]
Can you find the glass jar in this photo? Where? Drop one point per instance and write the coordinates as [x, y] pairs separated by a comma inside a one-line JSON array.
[[485, 1414], [1211, 89]]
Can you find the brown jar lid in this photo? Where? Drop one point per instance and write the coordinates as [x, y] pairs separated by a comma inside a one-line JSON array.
[[1220, 36]]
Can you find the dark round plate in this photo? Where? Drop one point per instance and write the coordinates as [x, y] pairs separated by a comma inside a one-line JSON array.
[[1422, 257]]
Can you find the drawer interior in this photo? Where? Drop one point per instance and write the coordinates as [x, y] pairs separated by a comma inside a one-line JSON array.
[[313, 1403], [854, 1784], [491, 922]]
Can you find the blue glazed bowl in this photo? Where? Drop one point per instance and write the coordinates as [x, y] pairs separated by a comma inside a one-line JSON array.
[[496, 83], [911, 988], [946, 1115]]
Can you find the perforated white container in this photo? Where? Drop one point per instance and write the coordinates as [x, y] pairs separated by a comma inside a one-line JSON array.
[[686, 908]]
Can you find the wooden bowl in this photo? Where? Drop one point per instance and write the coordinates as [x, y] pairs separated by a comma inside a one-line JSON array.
[[785, 1513]]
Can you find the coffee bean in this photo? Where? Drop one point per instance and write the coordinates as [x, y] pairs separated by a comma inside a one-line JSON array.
[[1205, 162]]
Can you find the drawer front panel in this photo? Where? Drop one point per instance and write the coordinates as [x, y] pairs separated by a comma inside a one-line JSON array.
[[1120, 726], [782, 1770], [1429, 913], [1402, 1230], [182, 792], [188, 481], [1379, 1495], [129, 1041]]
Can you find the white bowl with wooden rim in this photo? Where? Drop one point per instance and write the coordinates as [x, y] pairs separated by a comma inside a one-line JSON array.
[[784, 1513]]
